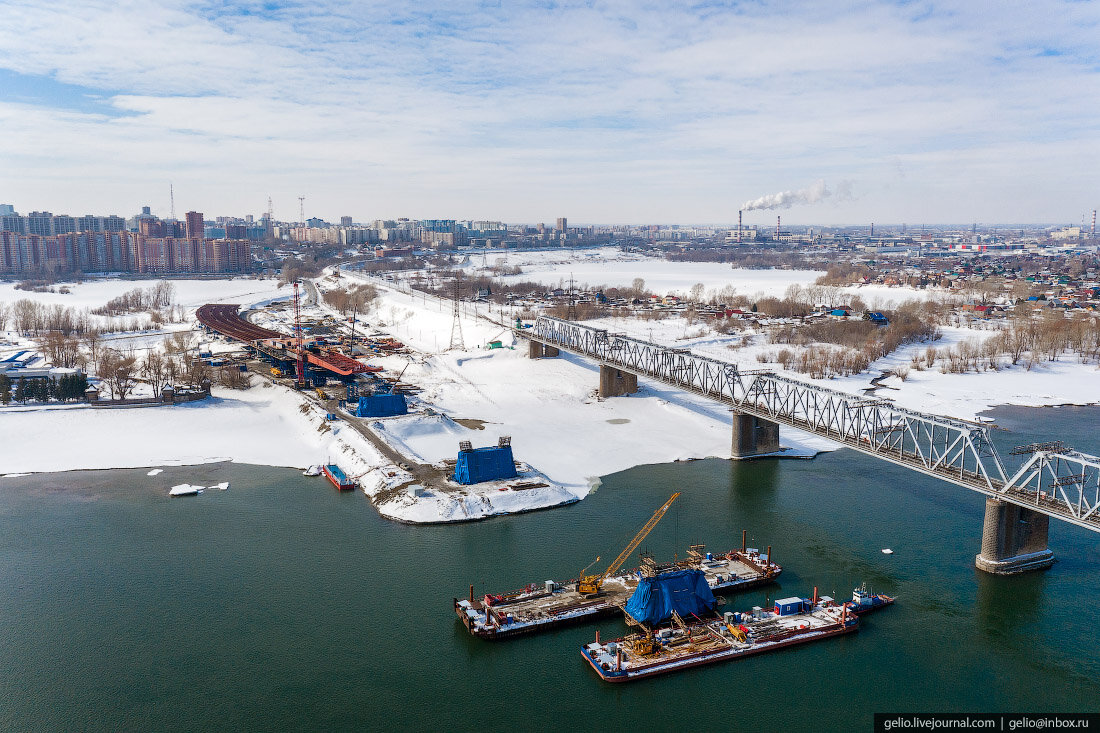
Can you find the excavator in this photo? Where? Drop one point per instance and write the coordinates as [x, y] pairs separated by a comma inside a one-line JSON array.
[[589, 585]]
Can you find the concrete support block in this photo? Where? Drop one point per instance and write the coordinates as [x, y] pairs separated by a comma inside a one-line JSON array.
[[539, 350], [615, 382], [753, 436], [1014, 539]]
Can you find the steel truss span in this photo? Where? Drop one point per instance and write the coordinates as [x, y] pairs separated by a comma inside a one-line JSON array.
[[1061, 483]]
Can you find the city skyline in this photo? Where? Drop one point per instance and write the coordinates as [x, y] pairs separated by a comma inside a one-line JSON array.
[[616, 113]]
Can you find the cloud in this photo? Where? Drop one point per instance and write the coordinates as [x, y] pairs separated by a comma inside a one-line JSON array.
[[605, 111]]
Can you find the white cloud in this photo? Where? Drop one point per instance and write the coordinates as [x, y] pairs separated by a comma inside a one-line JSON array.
[[607, 111]]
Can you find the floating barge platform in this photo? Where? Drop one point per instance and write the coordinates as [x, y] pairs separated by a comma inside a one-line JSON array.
[[552, 604], [337, 476], [731, 636]]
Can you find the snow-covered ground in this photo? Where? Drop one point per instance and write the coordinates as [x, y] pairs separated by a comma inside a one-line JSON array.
[[190, 294], [549, 407], [261, 425], [608, 266]]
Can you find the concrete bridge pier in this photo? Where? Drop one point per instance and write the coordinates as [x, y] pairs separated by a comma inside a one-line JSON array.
[[539, 350], [753, 436], [615, 382], [1014, 539]]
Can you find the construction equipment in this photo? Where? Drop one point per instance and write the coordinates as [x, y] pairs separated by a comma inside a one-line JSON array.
[[276, 372], [589, 585]]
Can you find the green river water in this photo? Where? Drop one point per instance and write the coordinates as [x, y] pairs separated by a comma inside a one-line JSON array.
[[282, 605]]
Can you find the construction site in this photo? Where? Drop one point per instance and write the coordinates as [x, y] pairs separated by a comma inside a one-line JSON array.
[[325, 358]]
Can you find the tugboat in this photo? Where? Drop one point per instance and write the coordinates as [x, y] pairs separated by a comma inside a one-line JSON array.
[[864, 601]]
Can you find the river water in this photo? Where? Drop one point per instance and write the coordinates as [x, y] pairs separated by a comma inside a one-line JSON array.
[[280, 604]]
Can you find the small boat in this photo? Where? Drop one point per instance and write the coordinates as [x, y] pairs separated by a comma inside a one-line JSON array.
[[185, 490], [312, 471]]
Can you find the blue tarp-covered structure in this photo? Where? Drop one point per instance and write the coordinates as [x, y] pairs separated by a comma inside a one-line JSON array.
[[381, 405], [683, 591], [484, 464]]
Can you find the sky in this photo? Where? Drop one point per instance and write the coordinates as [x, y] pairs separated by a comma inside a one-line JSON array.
[[602, 112]]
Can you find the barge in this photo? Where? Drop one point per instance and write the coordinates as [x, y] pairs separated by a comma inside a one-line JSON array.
[[553, 604], [336, 475], [685, 644]]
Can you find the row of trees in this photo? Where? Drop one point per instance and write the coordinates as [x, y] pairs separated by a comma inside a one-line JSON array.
[[357, 299], [1019, 342], [68, 387], [161, 295]]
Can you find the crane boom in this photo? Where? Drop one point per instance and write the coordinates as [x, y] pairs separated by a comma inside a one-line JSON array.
[[590, 584]]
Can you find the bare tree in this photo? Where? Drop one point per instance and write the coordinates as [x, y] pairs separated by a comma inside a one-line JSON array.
[[4, 316], [93, 342], [62, 350], [154, 367], [118, 371]]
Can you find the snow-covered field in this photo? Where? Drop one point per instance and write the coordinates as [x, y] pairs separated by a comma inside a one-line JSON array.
[[548, 407], [190, 294], [261, 425], [613, 268]]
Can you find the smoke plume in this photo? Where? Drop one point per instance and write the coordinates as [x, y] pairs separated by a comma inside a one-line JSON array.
[[787, 199]]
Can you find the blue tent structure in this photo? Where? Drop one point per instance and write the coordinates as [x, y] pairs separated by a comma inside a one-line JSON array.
[[381, 405], [484, 464], [683, 591]]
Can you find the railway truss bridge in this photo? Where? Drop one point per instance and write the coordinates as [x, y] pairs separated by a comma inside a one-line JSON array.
[[1051, 481]]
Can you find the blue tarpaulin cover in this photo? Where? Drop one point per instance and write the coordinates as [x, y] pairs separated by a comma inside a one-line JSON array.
[[683, 591], [381, 405], [484, 464]]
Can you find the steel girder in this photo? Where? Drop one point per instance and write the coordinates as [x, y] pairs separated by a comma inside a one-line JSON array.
[[954, 450]]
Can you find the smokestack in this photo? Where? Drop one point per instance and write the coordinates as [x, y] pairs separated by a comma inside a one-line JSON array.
[[777, 220], [739, 225], [1093, 231], [744, 534], [872, 229]]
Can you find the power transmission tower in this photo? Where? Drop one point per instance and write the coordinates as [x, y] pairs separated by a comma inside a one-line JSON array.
[[456, 324], [571, 314]]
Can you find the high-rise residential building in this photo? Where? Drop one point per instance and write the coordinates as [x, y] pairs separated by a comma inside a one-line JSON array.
[[40, 223], [562, 224], [13, 223], [195, 225], [89, 223], [345, 221], [63, 224], [150, 226]]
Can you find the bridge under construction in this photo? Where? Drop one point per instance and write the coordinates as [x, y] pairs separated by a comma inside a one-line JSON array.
[[1052, 480], [225, 319]]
